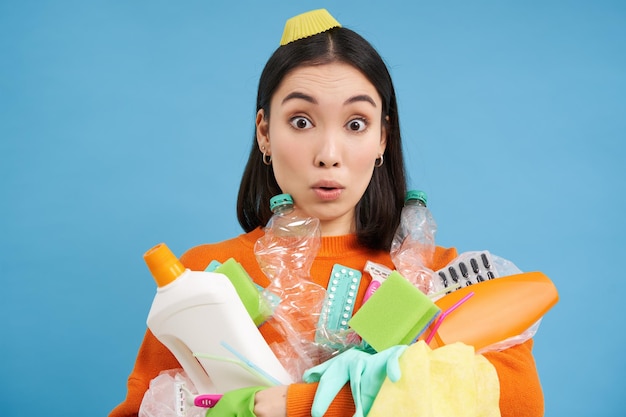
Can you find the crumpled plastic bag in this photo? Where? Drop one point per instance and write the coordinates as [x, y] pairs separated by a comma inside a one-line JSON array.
[[450, 381], [160, 398]]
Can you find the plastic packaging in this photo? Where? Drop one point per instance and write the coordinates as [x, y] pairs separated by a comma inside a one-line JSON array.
[[201, 312], [333, 330], [379, 274], [413, 245], [467, 269], [285, 254], [473, 267], [500, 310], [161, 399]]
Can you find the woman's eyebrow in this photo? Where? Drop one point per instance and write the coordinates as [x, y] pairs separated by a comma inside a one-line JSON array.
[[299, 95], [360, 97], [312, 100]]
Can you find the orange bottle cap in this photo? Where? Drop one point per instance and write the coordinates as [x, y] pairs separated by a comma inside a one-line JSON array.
[[164, 266]]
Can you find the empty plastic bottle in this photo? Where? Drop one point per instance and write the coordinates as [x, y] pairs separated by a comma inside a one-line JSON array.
[[285, 254], [413, 245]]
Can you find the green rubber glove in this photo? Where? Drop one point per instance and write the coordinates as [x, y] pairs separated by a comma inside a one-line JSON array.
[[366, 373], [236, 403]]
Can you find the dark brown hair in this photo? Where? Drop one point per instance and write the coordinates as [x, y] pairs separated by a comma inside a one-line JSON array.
[[378, 212]]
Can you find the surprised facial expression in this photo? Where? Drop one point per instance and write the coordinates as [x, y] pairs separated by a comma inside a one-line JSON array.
[[324, 135]]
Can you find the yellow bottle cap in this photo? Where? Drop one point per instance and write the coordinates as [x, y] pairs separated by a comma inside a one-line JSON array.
[[164, 266]]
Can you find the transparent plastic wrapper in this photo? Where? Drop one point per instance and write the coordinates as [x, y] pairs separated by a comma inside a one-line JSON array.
[[466, 269], [162, 400], [512, 341], [285, 254], [409, 263], [413, 245]]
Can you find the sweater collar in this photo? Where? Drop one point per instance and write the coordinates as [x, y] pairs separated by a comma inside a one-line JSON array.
[[330, 246]]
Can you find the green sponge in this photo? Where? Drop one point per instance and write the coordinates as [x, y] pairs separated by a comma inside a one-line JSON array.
[[396, 314]]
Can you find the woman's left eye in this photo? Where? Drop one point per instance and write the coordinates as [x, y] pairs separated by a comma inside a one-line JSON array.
[[357, 125]]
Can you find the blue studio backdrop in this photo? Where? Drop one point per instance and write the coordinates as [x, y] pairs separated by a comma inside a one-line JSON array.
[[127, 123]]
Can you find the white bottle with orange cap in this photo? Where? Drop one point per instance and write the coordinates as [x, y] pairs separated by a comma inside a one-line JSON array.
[[200, 318]]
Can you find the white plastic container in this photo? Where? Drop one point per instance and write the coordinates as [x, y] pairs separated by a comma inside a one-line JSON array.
[[201, 313]]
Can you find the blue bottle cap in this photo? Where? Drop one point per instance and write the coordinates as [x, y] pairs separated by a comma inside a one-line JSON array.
[[416, 195], [280, 200]]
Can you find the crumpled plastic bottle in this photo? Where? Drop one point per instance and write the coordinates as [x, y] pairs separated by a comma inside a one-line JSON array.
[[413, 245], [285, 254]]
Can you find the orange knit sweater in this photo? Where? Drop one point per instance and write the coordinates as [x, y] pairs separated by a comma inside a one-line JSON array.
[[520, 390]]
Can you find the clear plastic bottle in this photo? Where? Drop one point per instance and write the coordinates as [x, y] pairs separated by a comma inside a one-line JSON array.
[[285, 254], [413, 246]]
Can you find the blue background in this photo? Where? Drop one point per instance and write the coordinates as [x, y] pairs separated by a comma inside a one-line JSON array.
[[127, 123]]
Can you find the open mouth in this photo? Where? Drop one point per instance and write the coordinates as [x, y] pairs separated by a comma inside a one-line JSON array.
[[328, 193]]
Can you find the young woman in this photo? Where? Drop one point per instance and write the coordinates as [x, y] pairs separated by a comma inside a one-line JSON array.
[[327, 132]]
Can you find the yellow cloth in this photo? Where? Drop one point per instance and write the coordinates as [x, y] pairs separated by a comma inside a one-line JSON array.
[[449, 381]]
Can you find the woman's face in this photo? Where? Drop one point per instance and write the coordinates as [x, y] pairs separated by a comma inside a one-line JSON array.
[[324, 135]]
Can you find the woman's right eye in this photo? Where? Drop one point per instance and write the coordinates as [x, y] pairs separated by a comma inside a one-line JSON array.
[[300, 122]]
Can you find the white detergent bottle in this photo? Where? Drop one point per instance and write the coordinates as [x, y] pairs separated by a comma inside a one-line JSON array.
[[200, 318]]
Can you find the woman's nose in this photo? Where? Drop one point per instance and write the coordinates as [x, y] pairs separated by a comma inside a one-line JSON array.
[[328, 154]]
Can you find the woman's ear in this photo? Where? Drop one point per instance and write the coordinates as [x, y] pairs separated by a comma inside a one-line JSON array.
[[262, 130], [383, 135]]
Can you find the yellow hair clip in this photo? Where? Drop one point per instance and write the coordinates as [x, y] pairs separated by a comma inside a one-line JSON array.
[[308, 24]]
